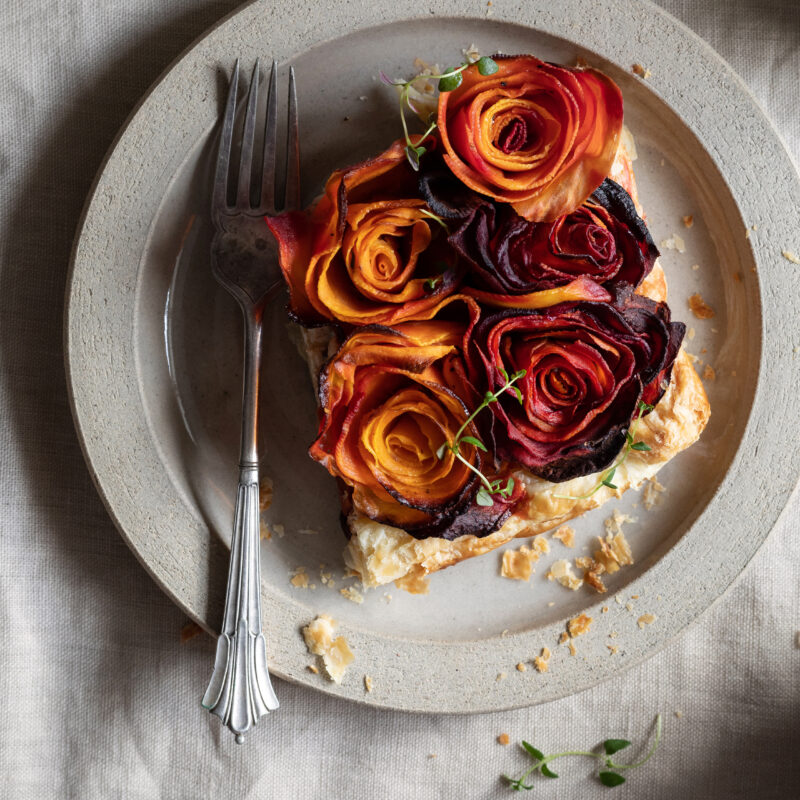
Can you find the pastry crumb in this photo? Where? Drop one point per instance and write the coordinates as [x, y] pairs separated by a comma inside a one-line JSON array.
[[690, 334], [545, 653], [518, 564], [432, 755], [674, 242], [790, 256], [307, 531], [572, 649], [501, 676], [387, 598], [503, 739], [613, 635], [521, 667], [652, 493], [414, 583], [368, 683], [646, 619], [565, 535], [604, 610], [629, 606], [352, 594], [265, 493], [312, 668], [614, 523], [695, 267], [264, 533], [614, 552], [335, 653], [709, 374], [279, 530], [640, 71], [540, 664], [189, 630], [561, 571], [299, 578], [612, 649], [679, 714], [688, 220], [699, 307], [579, 625]]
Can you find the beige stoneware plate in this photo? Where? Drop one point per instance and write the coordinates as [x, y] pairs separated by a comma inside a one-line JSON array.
[[153, 349]]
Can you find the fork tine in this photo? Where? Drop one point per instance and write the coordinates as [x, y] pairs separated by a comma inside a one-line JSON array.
[[270, 145], [248, 137], [219, 200], [291, 198]]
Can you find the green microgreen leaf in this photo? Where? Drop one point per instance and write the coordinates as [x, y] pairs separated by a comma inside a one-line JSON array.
[[640, 446], [629, 438], [517, 784], [475, 442], [611, 778], [487, 66], [518, 393], [413, 155], [509, 487], [450, 82], [483, 498], [644, 408], [431, 283], [547, 772], [503, 373], [612, 746], [532, 751]]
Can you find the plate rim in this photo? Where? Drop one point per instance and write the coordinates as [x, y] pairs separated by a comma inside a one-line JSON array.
[[635, 14]]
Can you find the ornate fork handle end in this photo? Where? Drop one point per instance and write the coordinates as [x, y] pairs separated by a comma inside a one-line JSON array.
[[240, 691]]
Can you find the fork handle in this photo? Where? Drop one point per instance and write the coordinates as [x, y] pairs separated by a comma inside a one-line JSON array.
[[240, 691]]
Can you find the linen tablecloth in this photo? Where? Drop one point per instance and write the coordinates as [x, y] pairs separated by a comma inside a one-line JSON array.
[[100, 699]]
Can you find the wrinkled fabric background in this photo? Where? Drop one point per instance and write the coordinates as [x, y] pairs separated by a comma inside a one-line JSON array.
[[99, 698]]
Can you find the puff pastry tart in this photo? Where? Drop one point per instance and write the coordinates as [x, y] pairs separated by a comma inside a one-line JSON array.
[[486, 323]]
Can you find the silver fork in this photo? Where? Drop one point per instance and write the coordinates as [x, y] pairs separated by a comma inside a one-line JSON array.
[[244, 261]]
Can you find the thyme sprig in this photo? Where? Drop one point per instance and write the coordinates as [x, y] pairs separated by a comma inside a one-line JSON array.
[[448, 81], [607, 776], [488, 487], [631, 443]]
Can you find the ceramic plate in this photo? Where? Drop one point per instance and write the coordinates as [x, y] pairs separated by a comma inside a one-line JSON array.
[[153, 350]]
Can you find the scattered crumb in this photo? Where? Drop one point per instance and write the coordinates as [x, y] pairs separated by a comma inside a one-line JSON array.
[[518, 564], [352, 594], [431, 755], [521, 667], [652, 493], [308, 531], [674, 242], [189, 630], [613, 649], [368, 683], [646, 619], [679, 714], [545, 653], [708, 373], [299, 578], [613, 635], [790, 256], [618, 599], [503, 739], [695, 267], [614, 552], [584, 562], [690, 334], [551, 603], [688, 220], [691, 356], [501, 676], [614, 523], [336, 653], [565, 535], [279, 530], [561, 571], [471, 53], [504, 633], [265, 493], [629, 606], [579, 625], [264, 532], [641, 71], [540, 664], [593, 571], [387, 598], [312, 668], [362, 98], [326, 577], [563, 638], [572, 650], [699, 307], [604, 610], [581, 62]]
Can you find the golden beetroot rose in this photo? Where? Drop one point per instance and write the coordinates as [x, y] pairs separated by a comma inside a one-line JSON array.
[[386, 410], [539, 136], [369, 251]]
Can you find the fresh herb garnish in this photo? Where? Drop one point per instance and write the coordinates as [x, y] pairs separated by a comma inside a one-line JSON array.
[[488, 488], [448, 81], [607, 776], [631, 443]]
